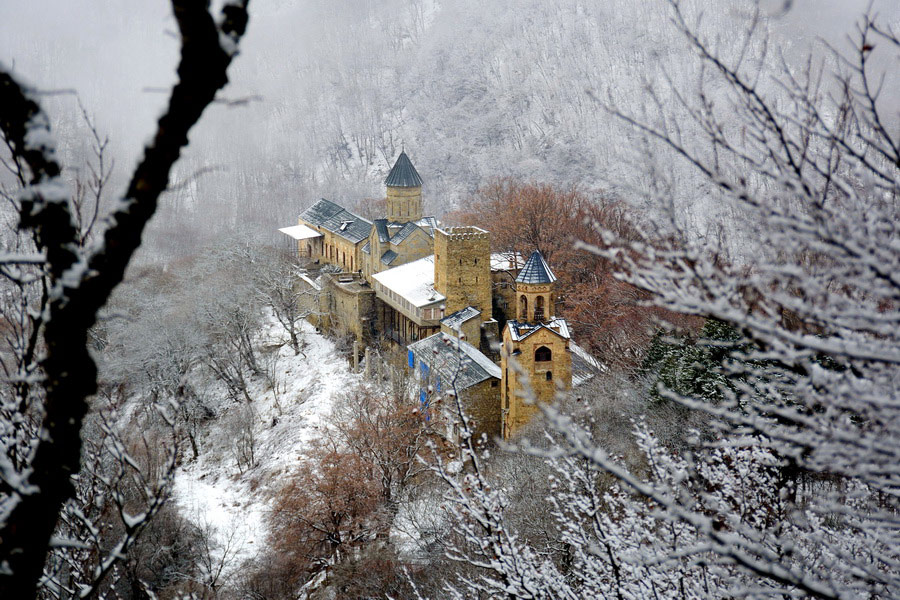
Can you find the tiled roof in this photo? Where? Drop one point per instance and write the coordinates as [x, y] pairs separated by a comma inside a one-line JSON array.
[[536, 270], [459, 317], [388, 257], [453, 358], [337, 220], [403, 174]]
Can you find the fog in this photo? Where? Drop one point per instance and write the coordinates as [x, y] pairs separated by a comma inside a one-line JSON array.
[[325, 93]]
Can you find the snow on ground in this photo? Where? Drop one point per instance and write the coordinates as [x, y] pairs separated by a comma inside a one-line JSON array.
[[211, 491]]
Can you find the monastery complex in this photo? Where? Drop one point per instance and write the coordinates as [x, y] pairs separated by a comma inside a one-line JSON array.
[[478, 322]]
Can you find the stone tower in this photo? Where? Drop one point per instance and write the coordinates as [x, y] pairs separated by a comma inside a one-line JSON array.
[[462, 269], [404, 191], [535, 360]]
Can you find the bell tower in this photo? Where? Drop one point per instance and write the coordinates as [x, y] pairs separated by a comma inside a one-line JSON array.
[[404, 191], [535, 359], [534, 291]]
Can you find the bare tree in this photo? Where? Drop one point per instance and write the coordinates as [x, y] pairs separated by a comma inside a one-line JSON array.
[[78, 282], [791, 490]]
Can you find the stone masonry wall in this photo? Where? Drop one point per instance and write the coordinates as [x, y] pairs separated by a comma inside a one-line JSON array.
[[462, 268]]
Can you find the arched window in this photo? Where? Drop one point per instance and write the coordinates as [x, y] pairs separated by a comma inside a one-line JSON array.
[[542, 354], [523, 308], [539, 309], [549, 375]]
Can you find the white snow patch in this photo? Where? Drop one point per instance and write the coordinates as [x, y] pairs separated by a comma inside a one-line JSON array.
[[211, 492]]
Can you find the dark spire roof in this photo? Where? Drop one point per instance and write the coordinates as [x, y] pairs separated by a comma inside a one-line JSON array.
[[536, 270], [403, 174]]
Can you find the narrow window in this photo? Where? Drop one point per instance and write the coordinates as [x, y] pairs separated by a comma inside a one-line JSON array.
[[549, 375]]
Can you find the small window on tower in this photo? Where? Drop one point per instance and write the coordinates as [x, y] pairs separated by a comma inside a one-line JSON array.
[[549, 375], [543, 354]]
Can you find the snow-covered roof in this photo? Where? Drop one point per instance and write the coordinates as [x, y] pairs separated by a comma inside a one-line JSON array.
[[504, 261], [454, 358], [456, 319], [300, 232], [584, 366], [520, 331], [536, 270], [414, 282]]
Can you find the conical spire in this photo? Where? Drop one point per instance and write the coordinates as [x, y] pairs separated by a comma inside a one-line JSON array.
[[403, 173], [536, 270]]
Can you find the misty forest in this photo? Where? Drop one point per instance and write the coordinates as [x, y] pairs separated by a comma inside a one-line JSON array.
[[426, 299]]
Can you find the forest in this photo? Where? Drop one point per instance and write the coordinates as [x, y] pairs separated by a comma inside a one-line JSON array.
[[717, 189]]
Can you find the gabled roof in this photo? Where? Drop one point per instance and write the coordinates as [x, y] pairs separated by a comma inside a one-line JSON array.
[[459, 317], [381, 228], [520, 331], [367, 248], [403, 174], [429, 224], [337, 220], [404, 232], [388, 257], [453, 358], [536, 270]]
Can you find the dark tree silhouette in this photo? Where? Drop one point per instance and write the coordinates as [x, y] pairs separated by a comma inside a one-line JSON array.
[[80, 282]]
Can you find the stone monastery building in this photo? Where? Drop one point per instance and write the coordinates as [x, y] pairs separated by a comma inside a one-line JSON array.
[[479, 322]]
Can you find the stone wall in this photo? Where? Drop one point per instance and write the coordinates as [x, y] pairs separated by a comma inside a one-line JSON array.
[[404, 204], [462, 268], [515, 411]]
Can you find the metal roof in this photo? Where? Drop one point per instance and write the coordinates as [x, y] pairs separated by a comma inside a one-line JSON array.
[[382, 230], [404, 233], [584, 366], [388, 257], [403, 174], [367, 248], [337, 220], [536, 270], [453, 358], [459, 317], [429, 224]]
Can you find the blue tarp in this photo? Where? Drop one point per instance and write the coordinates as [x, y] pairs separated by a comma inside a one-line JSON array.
[[412, 359]]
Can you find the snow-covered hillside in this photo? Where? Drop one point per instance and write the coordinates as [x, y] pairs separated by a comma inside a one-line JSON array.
[[232, 502]]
